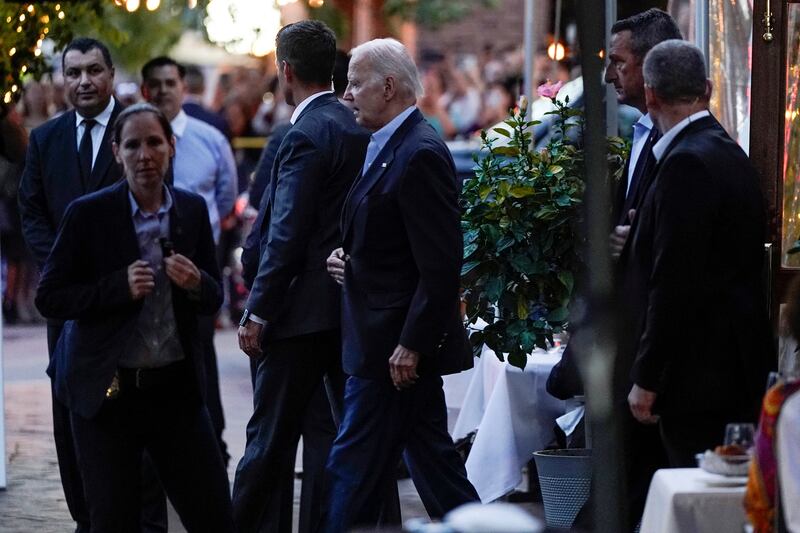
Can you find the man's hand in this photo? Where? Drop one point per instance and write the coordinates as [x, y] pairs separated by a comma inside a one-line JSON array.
[[619, 236], [250, 338], [182, 272], [336, 262], [403, 367], [141, 279], [641, 403]]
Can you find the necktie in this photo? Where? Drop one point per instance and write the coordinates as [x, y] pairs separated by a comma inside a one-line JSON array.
[[372, 153], [644, 156], [85, 150]]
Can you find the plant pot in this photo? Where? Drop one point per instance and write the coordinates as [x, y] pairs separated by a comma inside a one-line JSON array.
[[565, 478]]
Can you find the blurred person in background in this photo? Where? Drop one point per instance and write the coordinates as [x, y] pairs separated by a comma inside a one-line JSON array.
[[203, 164], [34, 105], [430, 103], [462, 100], [193, 101], [498, 99], [19, 274]]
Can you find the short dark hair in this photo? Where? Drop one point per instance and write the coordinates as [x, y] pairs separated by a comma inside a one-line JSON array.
[[135, 109], [195, 81], [309, 46], [676, 71], [161, 61], [340, 72], [647, 30], [83, 45]]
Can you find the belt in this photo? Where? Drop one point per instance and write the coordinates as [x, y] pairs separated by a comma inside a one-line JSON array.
[[145, 378]]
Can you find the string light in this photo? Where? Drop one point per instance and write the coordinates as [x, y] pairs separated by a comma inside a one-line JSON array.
[[316, 3], [24, 69], [37, 52], [22, 18], [12, 51], [132, 5], [19, 29], [7, 98], [152, 5], [14, 88], [45, 19], [61, 15], [30, 9]]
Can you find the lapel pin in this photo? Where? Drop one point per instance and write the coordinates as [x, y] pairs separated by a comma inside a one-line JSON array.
[[383, 165]]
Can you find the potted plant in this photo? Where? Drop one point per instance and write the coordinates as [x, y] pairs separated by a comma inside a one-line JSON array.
[[523, 240], [522, 227]]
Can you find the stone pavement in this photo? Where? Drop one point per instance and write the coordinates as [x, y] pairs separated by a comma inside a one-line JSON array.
[[33, 500]]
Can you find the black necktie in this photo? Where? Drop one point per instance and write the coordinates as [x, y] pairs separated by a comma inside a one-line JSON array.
[[85, 150], [644, 156]]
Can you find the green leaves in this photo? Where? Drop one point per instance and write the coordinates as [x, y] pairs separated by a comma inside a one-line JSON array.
[[521, 222]]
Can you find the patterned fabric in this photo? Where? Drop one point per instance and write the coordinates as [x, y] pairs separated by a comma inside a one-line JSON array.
[[760, 498]]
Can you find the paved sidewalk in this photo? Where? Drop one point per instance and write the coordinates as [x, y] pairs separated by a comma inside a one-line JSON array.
[[33, 500]]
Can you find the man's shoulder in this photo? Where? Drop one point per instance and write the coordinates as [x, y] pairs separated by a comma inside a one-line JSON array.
[[53, 127], [330, 115], [204, 130]]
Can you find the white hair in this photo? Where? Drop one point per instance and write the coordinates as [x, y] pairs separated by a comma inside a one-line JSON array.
[[388, 57]]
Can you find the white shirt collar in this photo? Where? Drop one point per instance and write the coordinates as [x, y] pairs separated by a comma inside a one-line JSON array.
[[666, 139], [645, 121], [299, 109], [102, 118], [179, 123]]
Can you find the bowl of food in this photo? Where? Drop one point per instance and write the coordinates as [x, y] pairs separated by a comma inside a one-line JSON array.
[[729, 460]]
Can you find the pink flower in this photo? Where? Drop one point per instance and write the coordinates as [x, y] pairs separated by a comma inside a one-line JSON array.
[[549, 90]]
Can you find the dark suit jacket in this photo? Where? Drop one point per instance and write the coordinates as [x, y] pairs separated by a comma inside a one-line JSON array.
[[85, 281], [52, 178], [315, 166], [251, 252], [193, 109], [401, 228], [702, 338]]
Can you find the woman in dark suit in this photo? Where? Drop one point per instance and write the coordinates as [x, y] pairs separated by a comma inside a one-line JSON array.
[[132, 267]]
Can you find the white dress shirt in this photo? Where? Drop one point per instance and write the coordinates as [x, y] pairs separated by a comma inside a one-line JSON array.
[[299, 109], [98, 130], [641, 131]]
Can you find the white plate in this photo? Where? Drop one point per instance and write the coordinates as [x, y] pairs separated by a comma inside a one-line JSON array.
[[717, 480]]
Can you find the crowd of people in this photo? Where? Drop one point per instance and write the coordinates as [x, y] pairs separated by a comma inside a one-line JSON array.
[[352, 314]]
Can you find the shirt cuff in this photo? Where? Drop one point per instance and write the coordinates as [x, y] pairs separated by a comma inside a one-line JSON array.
[[256, 319]]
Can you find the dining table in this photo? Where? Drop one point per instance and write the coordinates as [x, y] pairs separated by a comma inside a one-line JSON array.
[[691, 500]]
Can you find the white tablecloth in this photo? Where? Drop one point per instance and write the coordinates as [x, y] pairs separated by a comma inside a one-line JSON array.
[[690, 500], [514, 416]]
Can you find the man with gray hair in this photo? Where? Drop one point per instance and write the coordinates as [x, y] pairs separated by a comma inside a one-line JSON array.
[[400, 265], [696, 253]]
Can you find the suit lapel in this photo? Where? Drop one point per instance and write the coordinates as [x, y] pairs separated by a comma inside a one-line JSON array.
[[127, 235], [380, 165], [66, 154], [104, 155]]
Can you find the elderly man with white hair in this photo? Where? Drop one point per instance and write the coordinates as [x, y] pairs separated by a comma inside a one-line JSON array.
[[399, 264]]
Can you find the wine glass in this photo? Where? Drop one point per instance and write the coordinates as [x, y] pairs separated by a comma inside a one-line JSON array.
[[741, 435]]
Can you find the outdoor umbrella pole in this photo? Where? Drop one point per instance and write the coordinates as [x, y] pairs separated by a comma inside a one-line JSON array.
[[600, 345]]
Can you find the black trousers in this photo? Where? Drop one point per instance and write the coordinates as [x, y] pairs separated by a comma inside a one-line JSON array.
[[71, 479], [154, 502], [172, 425], [380, 425], [287, 378], [206, 328]]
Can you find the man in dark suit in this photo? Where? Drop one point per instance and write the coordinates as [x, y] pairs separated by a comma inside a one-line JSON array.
[[131, 269], [193, 101], [704, 346], [400, 267], [64, 163], [291, 323], [631, 39]]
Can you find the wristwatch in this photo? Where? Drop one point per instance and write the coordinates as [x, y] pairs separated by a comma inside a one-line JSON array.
[[245, 318]]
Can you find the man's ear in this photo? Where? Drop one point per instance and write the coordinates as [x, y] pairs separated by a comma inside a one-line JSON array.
[[288, 71], [709, 89], [145, 91], [389, 88], [651, 99]]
